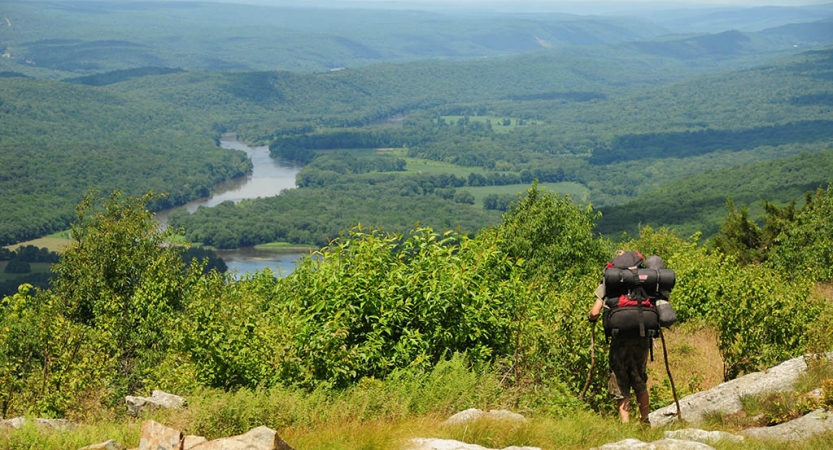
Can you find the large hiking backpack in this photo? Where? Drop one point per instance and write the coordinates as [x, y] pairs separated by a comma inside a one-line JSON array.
[[631, 295]]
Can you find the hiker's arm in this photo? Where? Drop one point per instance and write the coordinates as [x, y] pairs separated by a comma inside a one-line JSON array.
[[593, 315]]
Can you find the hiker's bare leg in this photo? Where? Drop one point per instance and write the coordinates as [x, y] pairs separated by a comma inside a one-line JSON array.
[[644, 404], [624, 409]]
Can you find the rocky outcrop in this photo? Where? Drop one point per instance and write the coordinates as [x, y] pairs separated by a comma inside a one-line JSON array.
[[463, 417], [664, 444], [156, 436], [706, 437], [725, 398], [475, 414], [448, 444], [158, 399], [44, 424], [817, 422], [109, 445]]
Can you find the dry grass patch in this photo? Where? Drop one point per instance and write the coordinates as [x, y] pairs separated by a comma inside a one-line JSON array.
[[693, 359]]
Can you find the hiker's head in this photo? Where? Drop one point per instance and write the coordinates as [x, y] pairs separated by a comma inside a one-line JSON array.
[[619, 252], [654, 262]]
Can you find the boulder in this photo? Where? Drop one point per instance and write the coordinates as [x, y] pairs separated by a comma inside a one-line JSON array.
[[448, 444], [706, 437], [475, 414], [109, 445], [44, 424], [725, 397], [663, 444], [158, 399], [156, 436], [260, 438], [189, 442], [816, 422]]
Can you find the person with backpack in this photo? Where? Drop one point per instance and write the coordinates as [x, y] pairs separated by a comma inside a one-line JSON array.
[[626, 300]]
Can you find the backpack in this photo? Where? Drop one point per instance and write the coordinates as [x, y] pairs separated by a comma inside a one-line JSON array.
[[631, 293]]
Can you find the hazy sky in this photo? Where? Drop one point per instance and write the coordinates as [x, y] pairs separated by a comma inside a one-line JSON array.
[[561, 2]]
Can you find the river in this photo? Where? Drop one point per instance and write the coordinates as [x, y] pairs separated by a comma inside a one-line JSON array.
[[268, 178]]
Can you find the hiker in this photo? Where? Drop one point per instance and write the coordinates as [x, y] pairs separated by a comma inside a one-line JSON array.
[[628, 356]]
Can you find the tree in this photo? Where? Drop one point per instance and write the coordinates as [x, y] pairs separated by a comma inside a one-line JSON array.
[[553, 235], [740, 236], [17, 266], [122, 277]]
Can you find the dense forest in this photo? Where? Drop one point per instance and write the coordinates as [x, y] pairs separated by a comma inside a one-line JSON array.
[[626, 115]]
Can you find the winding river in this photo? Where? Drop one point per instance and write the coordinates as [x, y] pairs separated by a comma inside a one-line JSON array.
[[268, 178]]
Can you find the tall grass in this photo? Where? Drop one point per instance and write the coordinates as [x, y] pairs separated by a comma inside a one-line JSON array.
[[376, 414]]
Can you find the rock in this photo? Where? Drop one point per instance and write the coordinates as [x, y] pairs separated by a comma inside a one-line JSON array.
[[50, 424], [475, 414], [109, 445], [816, 422], [448, 444], [706, 437], [260, 438], [156, 436], [14, 423], [189, 441], [725, 397], [158, 399], [663, 444]]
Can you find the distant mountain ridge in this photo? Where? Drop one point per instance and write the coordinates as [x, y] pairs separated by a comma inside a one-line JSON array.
[[90, 37]]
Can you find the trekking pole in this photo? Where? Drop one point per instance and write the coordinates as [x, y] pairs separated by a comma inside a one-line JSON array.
[[592, 359], [670, 378]]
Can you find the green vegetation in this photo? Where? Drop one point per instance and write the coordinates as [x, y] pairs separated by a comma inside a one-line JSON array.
[[143, 129], [380, 329]]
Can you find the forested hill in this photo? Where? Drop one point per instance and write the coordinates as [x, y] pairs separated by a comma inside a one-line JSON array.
[[699, 203], [61, 39], [57, 140], [154, 131], [606, 122]]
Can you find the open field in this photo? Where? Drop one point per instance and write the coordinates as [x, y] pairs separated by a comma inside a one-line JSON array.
[[54, 242]]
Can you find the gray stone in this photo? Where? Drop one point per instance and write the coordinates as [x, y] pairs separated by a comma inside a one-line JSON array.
[[158, 399], [706, 437], [109, 445], [816, 422], [260, 438], [475, 414], [189, 442], [663, 444], [13, 423], [156, 436], [448, 444], [48, 424], [725, 397]]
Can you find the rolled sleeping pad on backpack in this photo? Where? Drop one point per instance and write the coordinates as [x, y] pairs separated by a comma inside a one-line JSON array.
[[652, 280]]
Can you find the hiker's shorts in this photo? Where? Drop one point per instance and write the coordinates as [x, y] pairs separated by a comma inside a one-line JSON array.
[[628, 365]]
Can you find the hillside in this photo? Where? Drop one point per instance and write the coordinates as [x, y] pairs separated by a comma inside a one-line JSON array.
[[670, 106], [58, 140]]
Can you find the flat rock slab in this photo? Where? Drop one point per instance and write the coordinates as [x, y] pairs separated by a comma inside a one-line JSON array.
[[706, 437], [817, 422], [725, 397], [449, 444], [260, 438], [663, 444], [476, 414]]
